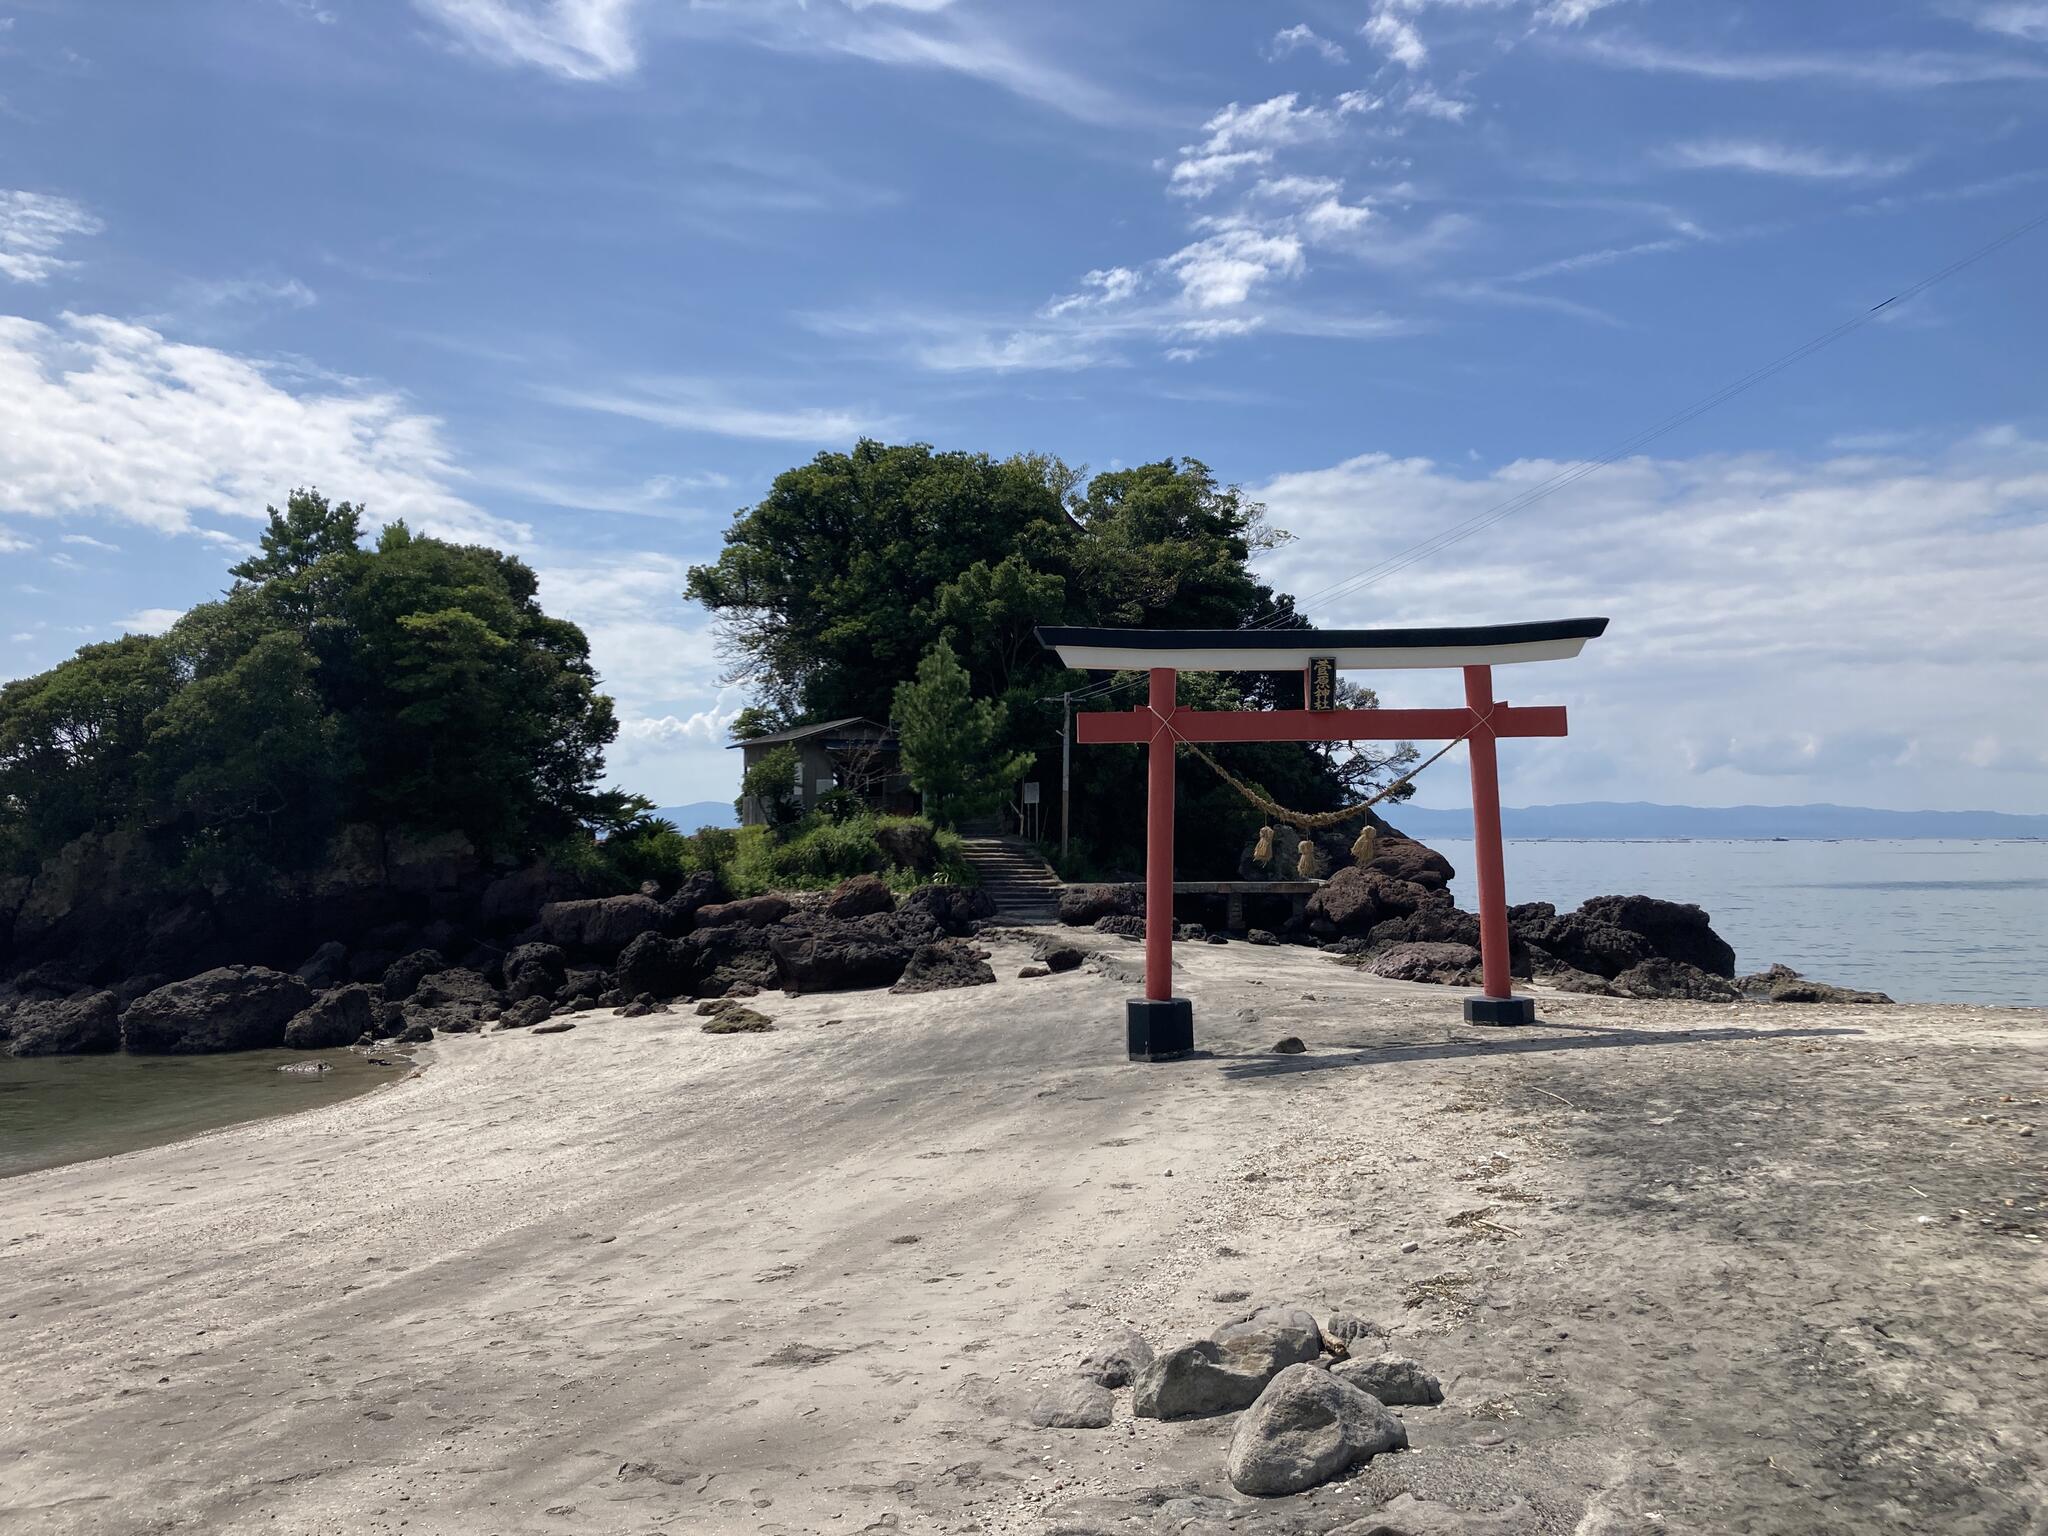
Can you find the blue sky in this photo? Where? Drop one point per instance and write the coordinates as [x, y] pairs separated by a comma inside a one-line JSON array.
[[579, 277]]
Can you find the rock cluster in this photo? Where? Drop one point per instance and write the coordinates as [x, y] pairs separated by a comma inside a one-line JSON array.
[[637, 952], [1308, 1413]]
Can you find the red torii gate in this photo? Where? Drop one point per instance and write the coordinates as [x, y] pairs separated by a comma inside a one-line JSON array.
[[1160, 1025]]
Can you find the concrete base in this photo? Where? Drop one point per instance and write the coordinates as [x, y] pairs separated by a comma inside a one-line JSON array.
[[1504, 1011], [1159, 1031]]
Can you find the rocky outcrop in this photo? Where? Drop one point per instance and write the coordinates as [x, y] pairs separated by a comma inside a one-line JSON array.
[[335, 1018], [1083, 905], [1354, 900], [1454, 965], [535, 970], [526, 1013], [737, 1021], [944, 964], [693, 893], [1658, 977], [403, 975], [908, 845], [730, 955], [841, 956], [748, 912], [1673, 930], [955, 909], [1782, 984], [326, 967], [233, 1008], [85, 1024], [1305, 1428], [601, 927], [658, 966], [1122, 927], [858, 897], [1228, 1370], [1116, 1360]]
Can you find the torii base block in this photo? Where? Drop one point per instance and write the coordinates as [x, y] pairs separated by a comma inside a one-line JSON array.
[[1159, 1029], [1506, 1011]]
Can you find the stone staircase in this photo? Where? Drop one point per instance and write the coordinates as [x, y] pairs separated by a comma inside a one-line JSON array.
[[1022, 885]]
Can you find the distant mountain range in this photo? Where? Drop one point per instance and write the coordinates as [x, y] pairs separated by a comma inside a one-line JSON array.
[[699, 813], [1638, 819]]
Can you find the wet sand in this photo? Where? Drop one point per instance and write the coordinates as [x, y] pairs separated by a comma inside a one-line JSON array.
[[1680, 1267]]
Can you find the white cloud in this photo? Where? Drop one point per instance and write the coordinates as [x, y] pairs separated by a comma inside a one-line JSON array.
[[1397, 39], [577, 39], [1293, 39], [1859, 621], [692, 405], [1331, 219], [1881, 71], [1571, 13], [150, 621], [1297, 189], [10, 544], [1105, 285], [1423, 100], [2024, 19], [1223, 269], [33, 229], [1197, 175], [1241, 136], [87, 541], [108, 417], [1764, 158]]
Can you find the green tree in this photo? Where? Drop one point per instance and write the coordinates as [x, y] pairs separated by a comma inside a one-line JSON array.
[[770, 786], [951, 741]]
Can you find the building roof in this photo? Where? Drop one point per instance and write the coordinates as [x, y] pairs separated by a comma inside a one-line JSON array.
[[1288, 650], [803, 732]]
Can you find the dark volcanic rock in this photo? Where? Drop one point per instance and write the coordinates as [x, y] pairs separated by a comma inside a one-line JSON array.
[[1674, 978], [943, 964], [1445, 964], [1403, 859], [1061, 957], [534, 970], [335, 1018], [403, 975], [955, 909], [1123, 927], [1117, 1360], [1081, 905], [234, 1008], [601, 927], [748, 912], [1073, 1404], [826, 956], [695, 893], [458, 988], [734, 954], [526, 1013], [326, 967], [1354, 900], [659, 966], [858, 897], [1782, 984], [737, 1021], [585, 986], [1674, 930], [87, 1024], [1394, 1379], [1585, 944]]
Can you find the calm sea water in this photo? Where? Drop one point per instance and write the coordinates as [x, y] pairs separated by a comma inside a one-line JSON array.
[[1926, 921], [65, 1109]]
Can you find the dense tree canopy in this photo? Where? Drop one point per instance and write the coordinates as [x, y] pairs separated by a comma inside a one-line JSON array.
[[834, 587], [416, 684]]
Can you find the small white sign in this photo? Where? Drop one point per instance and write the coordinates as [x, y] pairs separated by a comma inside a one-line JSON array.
[[1031, 793]]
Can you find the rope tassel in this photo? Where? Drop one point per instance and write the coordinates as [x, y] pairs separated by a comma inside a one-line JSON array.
[[1305, 860], [1361, 851], [1263, 854]]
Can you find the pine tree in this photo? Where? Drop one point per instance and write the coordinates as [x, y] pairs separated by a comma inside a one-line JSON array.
[[949, 741]]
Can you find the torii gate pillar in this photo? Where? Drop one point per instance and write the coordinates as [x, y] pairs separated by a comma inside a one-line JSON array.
[[1159, 1026]]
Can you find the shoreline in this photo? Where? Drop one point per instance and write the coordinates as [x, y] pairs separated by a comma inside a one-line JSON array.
[[635, 1275]]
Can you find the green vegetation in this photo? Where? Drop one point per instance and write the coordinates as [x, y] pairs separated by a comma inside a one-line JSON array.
[[415, 685], [835, 588], [950, 740], [813, 853]]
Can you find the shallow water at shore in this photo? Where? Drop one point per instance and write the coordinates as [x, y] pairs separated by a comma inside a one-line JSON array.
[[1925, 920], [66, 1109]]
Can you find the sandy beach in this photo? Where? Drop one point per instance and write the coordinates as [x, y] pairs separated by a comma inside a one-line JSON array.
[[1680, 1267]]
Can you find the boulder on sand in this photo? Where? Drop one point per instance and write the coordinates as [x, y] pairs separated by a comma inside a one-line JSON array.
[[1117, 1360], [402, 975], [534, 970], [601, 927], [1082, 905], [1305, 1428], [86, 1024], [1077, 1404], [1228, 1370], [335, 1018], [526, 1013], [1674, 930], [943, 964], [1782, 984], [748, 912], [1394, 1379], [657, 966], [232, 1008], [827, 956], [1445, 964], [954, 908], [326, 967], [692, 894], [1658, 977], [1271, 1338]]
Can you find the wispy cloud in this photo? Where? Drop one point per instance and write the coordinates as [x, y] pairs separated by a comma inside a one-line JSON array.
[[2024, 19], [1884, 71], [107, 417], [1396, 38], [149, 621], [693, 405], [584, 40], [1294, 39], [33, 228], [1764, 158]]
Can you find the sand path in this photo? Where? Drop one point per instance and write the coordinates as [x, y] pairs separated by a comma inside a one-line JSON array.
[[1681, 1268]]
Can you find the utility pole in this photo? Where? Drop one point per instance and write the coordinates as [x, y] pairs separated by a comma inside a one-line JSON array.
[[1066, 766]]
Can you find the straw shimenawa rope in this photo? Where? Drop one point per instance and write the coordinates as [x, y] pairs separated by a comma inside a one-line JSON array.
[[1315, 821]]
